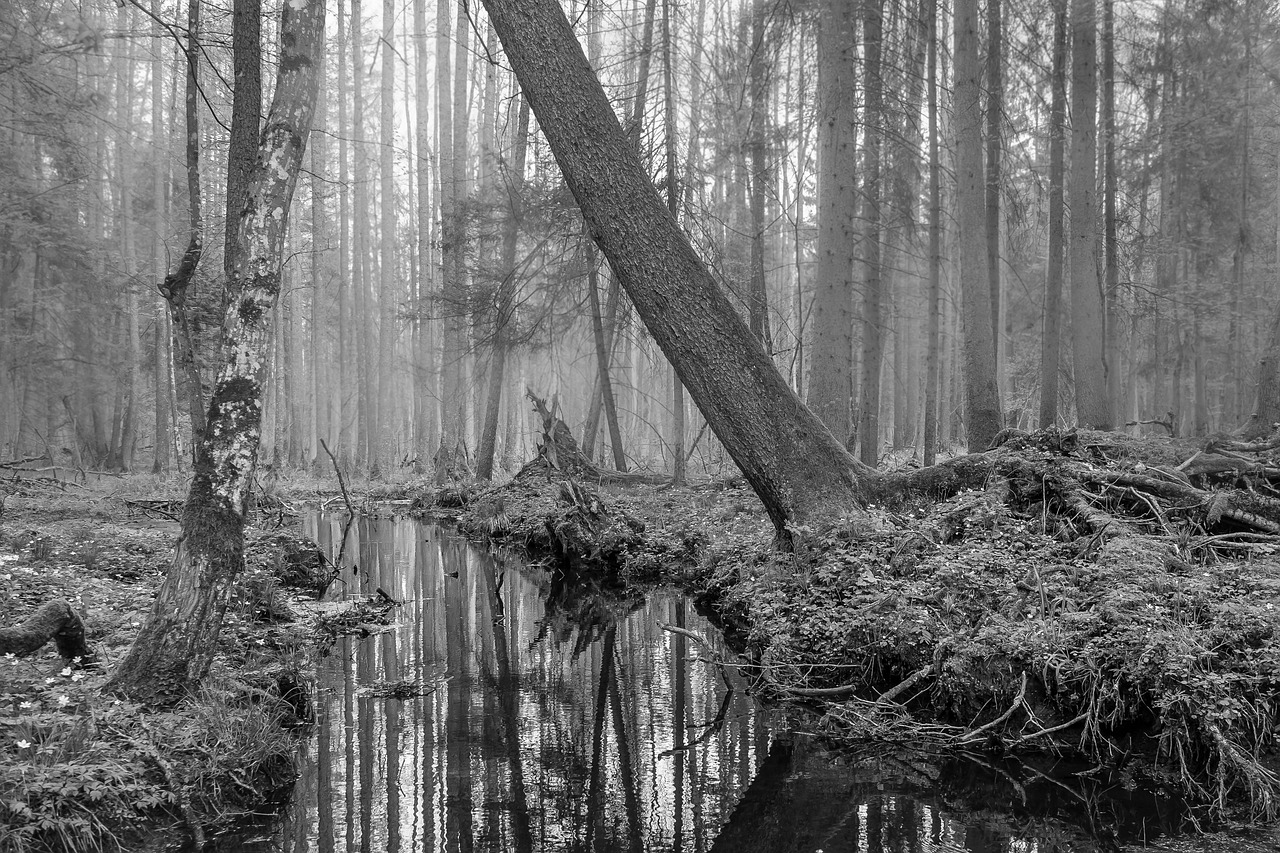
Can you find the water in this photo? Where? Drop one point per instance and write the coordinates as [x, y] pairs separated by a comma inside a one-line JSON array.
[[560, 720]]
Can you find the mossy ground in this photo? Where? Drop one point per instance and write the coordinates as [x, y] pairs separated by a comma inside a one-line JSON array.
[[81, 769]]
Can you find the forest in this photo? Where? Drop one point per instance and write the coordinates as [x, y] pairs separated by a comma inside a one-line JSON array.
[[844, 318], [435, 264]]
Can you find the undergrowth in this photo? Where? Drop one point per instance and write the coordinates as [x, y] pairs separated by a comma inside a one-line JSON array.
[[1007, 631]]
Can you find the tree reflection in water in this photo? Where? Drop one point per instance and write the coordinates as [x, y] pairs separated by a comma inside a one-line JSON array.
[[558, 719]]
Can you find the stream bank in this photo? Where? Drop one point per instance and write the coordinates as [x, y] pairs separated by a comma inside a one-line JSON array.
[[979, 623], [82, 770]]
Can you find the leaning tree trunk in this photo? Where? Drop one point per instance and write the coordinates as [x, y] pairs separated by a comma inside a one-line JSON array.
[[175, 648], [794, 464]]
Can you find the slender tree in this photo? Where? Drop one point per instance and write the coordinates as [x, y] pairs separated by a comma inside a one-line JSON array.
[[174, 649], [1051, 338], [982, 397], [1087, 333], [831, 350]]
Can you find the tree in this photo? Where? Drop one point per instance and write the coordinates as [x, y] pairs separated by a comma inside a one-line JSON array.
[[1051, 337], [1087, 337], [982, 397], [831, 351], [797, 468], [175, 647], [873, 290]]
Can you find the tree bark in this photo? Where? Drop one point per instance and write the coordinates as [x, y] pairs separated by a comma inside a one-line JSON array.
[[982, 397], [831, 351], [797, 468], [1093, 409], [246, 113], [933, 355], [387, 275], [1051, 337], [54, 620], [176, 646], [872, 270]]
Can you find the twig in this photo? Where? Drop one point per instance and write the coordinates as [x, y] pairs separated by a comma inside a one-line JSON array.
[[971, 736], [341, 483], [685, 632], [1058, 728], [351, 513], [905, 684]]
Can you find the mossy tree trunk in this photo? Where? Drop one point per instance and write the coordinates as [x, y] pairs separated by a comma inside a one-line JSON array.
[[175, 647], [794, 464]]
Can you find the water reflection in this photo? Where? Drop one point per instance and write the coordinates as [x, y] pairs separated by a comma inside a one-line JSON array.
[[587, 726]]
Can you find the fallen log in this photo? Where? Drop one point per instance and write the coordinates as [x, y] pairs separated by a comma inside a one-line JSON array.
[[54, 620]]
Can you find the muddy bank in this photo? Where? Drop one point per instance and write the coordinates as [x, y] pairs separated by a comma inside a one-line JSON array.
[[979, 623]]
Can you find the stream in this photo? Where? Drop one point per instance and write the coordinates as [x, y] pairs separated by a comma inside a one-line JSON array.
[[535, 718]]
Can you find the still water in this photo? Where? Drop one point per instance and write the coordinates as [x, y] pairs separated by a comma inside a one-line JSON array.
[[536, 718]]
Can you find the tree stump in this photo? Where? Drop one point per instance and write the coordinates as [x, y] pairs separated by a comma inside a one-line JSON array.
[[55, 620]]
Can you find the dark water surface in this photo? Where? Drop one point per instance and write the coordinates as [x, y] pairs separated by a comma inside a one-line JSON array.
[[557, 721]]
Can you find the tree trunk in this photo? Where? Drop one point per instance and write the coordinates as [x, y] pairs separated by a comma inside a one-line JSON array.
[[673, 205], [873, 273], [831, 351], [1051, 337], [346, 411], [506, 295], [933, 345], [1110, 243], [1093, 409], [982, 397], [797, 468], [758, 301], [425, 393], [246, 113], [994, 115], [387, 242], [176, 646]]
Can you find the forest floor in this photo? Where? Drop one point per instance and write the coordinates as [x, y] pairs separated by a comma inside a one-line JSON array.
[[81, 769], [982, 623], [991, 622]]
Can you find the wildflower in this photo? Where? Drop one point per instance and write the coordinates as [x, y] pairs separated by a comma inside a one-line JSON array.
[[77, 676], [24, 705], [66, 670], [23, 744], [63, 701]]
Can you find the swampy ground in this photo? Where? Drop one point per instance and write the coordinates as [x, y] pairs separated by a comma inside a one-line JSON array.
[[984, 622]]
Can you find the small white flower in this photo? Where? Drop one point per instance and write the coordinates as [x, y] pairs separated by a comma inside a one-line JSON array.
[[63, 701], [23, 744], [77, 676], [66, 670], [24, 705], [49, 680]]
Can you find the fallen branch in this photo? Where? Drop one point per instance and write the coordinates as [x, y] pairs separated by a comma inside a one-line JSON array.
[[54, 620], [971, 736]]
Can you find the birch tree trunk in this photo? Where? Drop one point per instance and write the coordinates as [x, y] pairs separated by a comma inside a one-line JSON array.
[[797, 468], [176, 646]]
